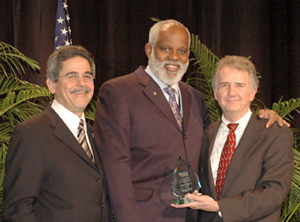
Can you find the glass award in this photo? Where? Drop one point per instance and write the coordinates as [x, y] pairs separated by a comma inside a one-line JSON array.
[[184, 180]]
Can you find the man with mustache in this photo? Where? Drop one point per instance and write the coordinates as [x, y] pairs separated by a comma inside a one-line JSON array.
[[144, 121], [53, 169]]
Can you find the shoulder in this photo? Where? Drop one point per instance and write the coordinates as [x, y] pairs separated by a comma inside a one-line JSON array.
[[126, 79], [274, 130]]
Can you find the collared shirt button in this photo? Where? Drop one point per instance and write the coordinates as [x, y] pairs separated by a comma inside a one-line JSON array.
[[98, 178]]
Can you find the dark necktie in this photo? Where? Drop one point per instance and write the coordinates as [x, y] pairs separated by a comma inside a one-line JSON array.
[[83, 142], [226, 156], [174, 106]]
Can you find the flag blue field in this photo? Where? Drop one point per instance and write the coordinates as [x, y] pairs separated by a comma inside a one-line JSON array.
[[62, 28]]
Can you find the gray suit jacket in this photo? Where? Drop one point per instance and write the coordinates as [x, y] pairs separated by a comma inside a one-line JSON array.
[[49, 177], [139, 142], [258, 178]]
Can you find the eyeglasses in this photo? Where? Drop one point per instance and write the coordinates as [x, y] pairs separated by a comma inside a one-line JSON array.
[[74, 77]]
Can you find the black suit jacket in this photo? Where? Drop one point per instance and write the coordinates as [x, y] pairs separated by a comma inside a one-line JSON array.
[[259, 175], [49, 177]]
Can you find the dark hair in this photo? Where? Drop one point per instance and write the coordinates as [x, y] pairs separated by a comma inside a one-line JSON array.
[[56, 59]]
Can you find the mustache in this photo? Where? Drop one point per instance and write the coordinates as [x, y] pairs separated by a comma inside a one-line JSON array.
[[80, 89], [173, 63]]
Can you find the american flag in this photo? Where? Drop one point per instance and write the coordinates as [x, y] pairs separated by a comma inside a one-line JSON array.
[[62, 28]]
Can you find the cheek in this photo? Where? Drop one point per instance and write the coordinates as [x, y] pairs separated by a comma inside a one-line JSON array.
[[184, 58]]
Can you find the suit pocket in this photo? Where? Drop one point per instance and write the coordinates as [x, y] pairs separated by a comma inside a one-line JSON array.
[[142, 194]]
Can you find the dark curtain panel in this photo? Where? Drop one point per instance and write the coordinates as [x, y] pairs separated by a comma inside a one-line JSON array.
[[115, 32]]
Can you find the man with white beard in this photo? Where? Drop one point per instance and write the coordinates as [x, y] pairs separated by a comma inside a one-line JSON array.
[[144, 121]]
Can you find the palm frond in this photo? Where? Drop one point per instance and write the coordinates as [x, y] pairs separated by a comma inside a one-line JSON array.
[[90, 111], [205, 63], [285, 108], [11, 57], [290, 209], [14, 98]]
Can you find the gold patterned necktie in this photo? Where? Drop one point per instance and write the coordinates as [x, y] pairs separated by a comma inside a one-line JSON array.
[[226, 156], [83, 142], [174, 106]]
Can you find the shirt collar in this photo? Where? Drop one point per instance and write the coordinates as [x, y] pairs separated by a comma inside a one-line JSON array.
[[242, 121], [161, 84], [68, 117]]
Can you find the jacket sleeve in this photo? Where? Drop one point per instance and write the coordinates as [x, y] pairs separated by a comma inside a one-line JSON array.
[[112, 136], [24, 175], [272, 186]]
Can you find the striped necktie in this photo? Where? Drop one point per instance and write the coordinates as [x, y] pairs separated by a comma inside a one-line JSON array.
[[174, 106], [83, 142]]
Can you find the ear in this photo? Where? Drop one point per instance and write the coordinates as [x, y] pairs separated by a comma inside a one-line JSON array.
[[252, 94], [51, 85], [215, 94], [148, 50]]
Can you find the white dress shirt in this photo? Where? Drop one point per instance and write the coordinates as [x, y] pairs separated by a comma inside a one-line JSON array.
[[71, 120], [221, 139]]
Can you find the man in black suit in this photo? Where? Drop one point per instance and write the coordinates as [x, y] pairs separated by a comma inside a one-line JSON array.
[[53, 170]]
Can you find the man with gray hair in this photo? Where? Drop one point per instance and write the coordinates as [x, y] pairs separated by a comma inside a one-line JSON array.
[[53, 169], [138, 135], [245, 169]]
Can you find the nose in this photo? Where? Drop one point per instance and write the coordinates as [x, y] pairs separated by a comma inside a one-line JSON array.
[[232, 91], [174, 55], [80, 80]]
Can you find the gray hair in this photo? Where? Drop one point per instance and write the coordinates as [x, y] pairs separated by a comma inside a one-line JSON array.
[[56, 59], [154, 31], [239, 63]]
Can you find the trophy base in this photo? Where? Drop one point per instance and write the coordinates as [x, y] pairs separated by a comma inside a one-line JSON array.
[[182, 201]]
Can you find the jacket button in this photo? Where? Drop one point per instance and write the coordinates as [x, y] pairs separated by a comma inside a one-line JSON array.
[[98, 178], [185, 136], [102, 205]]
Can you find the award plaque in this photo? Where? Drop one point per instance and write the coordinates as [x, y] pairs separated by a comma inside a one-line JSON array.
[[184, 180]]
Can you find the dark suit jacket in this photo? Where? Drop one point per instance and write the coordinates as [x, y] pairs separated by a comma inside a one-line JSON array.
[[49, 177], [139, 142], [259, 175]]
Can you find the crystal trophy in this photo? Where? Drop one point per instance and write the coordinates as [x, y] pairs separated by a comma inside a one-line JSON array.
[[184, 180]]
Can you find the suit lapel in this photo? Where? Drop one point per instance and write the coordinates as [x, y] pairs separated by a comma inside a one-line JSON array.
[[94, 148], [154, 93], [186, 104], [245, 147], [212, 133], [62, 132]]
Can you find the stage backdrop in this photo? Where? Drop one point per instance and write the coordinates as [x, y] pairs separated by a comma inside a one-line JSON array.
[[115, 32]]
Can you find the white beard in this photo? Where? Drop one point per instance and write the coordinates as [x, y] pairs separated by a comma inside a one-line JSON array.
[[167, 77]]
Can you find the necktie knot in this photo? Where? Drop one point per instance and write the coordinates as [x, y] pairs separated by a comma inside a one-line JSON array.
[[232, 126], [170, 91], [80, 126]]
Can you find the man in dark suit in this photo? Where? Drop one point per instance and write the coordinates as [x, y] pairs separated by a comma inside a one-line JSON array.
[[246, 178], [53, 170], [138, 137]]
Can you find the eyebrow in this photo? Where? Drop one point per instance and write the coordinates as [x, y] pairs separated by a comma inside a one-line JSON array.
[[74, 72]]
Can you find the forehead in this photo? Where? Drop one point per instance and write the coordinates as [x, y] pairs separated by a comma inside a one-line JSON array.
[[173, 34], [76, 63], [229, 74]]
